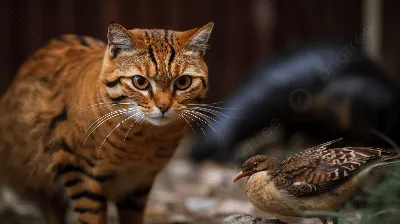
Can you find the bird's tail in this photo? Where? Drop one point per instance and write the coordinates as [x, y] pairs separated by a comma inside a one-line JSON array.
[[388, 159]]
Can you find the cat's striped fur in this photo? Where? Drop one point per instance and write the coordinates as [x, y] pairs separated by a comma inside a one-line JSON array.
[[47, 151]]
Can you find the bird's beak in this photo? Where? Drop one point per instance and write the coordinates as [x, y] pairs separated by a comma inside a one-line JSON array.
[[241, 175]]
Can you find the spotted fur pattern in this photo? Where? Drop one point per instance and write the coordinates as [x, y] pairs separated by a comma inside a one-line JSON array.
[[74, 129]]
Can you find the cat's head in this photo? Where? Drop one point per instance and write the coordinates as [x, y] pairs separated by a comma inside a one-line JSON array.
[[159, 71]]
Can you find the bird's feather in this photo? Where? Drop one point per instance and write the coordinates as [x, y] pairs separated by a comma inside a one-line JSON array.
[[319, 169]]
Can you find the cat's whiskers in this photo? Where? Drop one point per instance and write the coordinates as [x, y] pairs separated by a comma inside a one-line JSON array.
[[213, 112], [187, 115], [205, 115], [138, 121], [99, 120], [112, 113], [209, 121], [118, 125], [194, 132], [103, 105], [96, 124], [210, 106]]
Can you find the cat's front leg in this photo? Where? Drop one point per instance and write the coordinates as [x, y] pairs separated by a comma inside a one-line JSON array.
[[84, 188], [131, 207]]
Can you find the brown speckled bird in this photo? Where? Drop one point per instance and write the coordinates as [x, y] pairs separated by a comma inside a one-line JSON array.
[[317, 179]]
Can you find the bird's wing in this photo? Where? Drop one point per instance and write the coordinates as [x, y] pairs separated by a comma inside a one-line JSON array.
[[323, 170], [303, 158]]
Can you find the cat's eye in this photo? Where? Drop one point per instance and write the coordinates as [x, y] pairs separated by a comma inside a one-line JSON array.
[[140, 82], [183, 82]]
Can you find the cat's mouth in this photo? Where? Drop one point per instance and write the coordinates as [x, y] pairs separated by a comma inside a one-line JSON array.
[[160, 120]]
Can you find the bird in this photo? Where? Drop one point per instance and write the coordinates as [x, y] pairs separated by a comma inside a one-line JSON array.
[[317, 179]]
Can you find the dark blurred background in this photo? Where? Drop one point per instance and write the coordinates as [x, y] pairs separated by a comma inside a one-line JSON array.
[[245, 31]]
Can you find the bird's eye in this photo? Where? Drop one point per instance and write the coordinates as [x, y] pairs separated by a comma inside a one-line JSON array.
[[255, 164], [140, 82], [183, 82]]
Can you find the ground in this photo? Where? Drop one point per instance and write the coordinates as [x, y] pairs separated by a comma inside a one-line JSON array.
[[183, 193]]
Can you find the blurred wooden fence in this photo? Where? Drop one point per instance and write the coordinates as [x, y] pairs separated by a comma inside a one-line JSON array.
[[246, 31]]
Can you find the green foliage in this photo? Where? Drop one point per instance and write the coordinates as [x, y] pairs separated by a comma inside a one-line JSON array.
[[384, 202]]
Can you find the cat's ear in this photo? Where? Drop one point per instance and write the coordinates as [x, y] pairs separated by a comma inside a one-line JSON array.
[[198, 38], [119, 39]]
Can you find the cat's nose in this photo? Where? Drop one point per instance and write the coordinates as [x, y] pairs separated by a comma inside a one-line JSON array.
[[163, 107]]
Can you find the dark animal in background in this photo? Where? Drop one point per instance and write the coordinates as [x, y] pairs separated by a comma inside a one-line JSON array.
[[326, 89]]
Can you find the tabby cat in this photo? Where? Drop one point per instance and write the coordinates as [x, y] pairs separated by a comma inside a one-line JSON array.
[[85, 123]]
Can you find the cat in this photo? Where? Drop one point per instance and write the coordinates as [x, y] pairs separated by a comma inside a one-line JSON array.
[[85, 122]]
